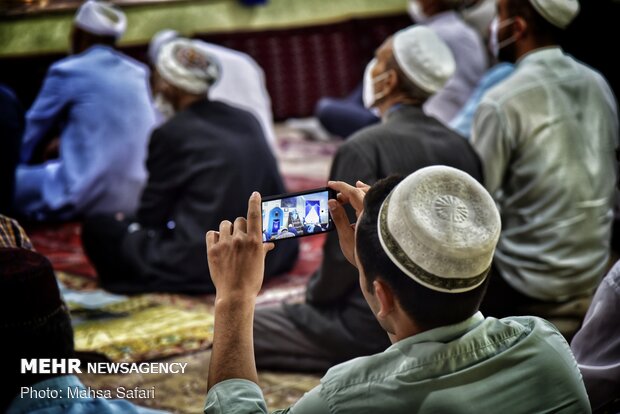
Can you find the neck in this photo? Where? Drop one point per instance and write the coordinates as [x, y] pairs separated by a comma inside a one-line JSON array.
[[532, 45], [187, 100], [403, 328], [390, 102]]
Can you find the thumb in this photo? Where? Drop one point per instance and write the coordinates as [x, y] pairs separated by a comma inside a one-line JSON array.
[[341, 220], [268, 247]]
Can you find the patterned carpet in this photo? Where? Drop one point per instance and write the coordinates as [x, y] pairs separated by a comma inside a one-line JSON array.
[[178, 328]]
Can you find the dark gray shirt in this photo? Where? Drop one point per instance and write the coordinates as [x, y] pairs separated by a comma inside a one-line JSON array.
[[335, 312]]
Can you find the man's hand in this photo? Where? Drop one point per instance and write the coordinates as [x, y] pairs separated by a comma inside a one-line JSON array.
[[236, 254], [354, 196], [236, 257]]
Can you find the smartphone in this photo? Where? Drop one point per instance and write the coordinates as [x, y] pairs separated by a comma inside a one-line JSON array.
[[297, 214]]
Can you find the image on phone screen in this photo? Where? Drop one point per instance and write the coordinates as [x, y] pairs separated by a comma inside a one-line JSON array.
[[296, 214]]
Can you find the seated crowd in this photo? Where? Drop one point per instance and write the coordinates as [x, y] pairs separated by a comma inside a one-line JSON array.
[[480, 181]]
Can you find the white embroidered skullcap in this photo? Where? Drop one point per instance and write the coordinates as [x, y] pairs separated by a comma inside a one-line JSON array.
[[423, 57], [158, 40], [186, 65], [559, 13], [440, 227], [101, 18]]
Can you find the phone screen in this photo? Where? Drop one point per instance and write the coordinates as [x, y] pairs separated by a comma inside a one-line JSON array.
[[296, 214]]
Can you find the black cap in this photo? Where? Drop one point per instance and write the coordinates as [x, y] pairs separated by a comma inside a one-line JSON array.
[[29, 293]]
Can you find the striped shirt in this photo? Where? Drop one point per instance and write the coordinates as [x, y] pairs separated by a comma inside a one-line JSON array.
[[12, 235]]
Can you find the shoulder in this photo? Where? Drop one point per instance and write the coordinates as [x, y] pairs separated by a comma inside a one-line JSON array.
[[367, 136], [612, 280]]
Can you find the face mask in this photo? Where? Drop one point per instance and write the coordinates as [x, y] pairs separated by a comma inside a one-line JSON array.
[[495, 44], [368, 90], [415, 11]]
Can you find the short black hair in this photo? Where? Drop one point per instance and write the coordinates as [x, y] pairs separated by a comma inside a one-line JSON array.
[[428, 308], [537, 24]]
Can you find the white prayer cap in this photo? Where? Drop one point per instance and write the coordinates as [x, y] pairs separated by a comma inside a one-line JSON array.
[[158, 40], [557, 12], [440, 227], [101, 18], [423, 57], [186, 65]]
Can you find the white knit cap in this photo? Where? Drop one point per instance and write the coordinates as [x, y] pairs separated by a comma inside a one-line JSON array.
[[440, 227], [557, 12], [186, 65], [101, 18], [423, 57]]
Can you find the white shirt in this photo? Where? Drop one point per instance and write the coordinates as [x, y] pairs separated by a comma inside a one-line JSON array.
[[597, 344], [471, 64], [242, 84], [546, 137]]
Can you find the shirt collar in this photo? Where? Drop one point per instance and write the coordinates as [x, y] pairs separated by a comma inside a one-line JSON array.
[[443, 17], [543, 53], [443, 333], [26, 405]]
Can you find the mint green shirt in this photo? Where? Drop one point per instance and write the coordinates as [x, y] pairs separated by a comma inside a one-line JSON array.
[[512, 365]]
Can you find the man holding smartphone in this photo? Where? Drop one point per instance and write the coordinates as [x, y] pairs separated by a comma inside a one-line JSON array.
[[422, 248], [335, 324]]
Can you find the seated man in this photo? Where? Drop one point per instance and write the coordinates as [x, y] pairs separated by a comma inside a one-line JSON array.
[[37, 322], [345, 117], [597, 345], [423, 248], [202, 164], [546, 136], [242, 81], [335, 323], [98, 102]]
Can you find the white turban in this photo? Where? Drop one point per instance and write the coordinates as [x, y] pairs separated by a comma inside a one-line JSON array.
[[423, 57], [158, 40], [184, 64], [101, 18], [557, 12]]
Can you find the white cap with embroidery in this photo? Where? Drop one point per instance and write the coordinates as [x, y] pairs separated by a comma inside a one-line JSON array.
[[440, 227]]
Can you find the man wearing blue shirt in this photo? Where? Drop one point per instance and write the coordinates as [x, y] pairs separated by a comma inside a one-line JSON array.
[[97, 103]]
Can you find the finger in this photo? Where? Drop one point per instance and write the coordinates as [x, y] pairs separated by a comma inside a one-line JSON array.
[[342, 199], [212, 238], [240, 225], [268, 247], [346, 234], [225, 230], [362, 186], [340, 186], [339, 216], [254, 225]]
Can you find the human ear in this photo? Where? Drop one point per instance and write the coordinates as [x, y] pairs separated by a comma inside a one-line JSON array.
[[385, 298]]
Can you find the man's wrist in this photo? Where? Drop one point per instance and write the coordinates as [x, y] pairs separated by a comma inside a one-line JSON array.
[[235, 300]]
